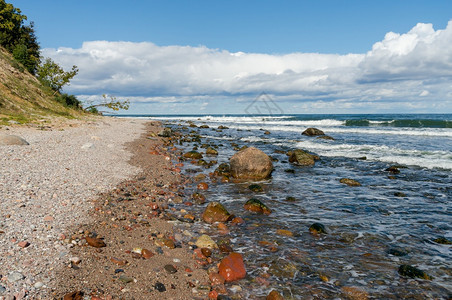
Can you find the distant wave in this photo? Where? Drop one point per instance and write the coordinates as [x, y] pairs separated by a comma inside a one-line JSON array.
[[413, 123], [421, 158]]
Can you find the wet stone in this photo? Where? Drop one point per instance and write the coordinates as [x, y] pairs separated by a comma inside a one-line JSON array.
[[397, 252], [413, 272], [159, 287], [399, 194], [119, 271], [317, 228], [442, 240], [170, 269], [255, 188]]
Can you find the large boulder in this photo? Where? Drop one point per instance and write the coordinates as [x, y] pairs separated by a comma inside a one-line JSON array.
[[251, 163], [6, 140], [313, 132], [302, 158]]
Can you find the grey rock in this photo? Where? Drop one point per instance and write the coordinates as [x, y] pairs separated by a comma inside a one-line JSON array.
[[6, 140], [2, 289], [15, 276]]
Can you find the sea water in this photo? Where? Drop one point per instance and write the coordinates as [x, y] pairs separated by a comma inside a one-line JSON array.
[[404, 212]]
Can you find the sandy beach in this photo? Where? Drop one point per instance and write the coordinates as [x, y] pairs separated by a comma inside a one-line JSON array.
[[48, 191]]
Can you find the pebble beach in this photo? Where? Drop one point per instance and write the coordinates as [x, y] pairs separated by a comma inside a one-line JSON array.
[[47, 186]]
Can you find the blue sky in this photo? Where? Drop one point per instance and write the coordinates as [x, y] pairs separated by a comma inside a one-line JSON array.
[[230, 51]]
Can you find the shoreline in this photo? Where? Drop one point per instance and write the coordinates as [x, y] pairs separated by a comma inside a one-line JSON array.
[[145, 256], [47, 186]]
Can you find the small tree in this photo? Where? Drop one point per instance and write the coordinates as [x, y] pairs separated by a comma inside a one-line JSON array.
[[110, 102], [54, 76], [18, 38]]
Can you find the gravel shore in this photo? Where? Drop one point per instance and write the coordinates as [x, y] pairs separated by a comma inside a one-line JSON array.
[[47, 186]]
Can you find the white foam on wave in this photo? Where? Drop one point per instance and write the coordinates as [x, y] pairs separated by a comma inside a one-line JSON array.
[[422, 158], [224, 119]]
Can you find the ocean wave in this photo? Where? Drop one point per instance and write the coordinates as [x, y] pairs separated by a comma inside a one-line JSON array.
[[421, 158], [404, 123]]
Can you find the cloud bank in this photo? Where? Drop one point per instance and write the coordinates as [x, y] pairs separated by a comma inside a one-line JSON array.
[[403, 71]]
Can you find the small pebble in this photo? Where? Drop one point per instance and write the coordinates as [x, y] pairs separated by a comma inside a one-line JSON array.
[[160, 287], [15, 276], [170, 269], [39, 284]]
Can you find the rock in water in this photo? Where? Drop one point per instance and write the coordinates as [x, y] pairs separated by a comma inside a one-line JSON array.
[[413, 272], [215, 212], [205, 241], [350, 182], [7, 140], [257, 206], [95, 242], [302, 158], [251, 163], [274, 295], [313, 132], [232, 267], [166, 132], [211, 151], [317, 228], [193, 155]]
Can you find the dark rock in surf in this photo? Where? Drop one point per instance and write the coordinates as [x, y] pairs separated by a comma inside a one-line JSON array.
[[313, 132], [413, 272], [302, 158], [317, 228], [350, 182], [255, 188], [193, 155], [257, 206]]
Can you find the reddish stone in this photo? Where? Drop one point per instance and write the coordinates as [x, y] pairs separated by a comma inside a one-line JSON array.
[[153, 205], [117, 261], [274, 295], [202, 186], [232, 267], [48, 218], [216, 279], [95, 242], [23, 244], [238, 221], [213, 295]]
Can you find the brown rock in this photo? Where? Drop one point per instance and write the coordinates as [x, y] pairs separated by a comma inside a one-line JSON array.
[[257, 206], [202, 186], [313, 132], [23, 244], [232, 267], [284, 232], [215, 212], [95, 242], [350, 182], [74, 296], [354, 293], [147, 253], [251, 163], [117, 261], [274, 295], [302, 158], [216, 279]]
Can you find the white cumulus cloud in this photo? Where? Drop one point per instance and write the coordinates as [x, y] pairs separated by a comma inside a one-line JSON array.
[[408, 67]]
